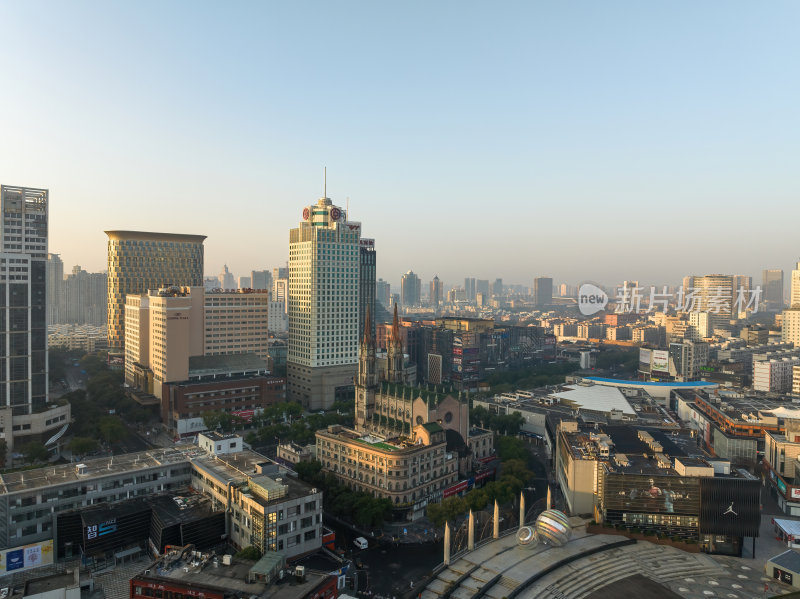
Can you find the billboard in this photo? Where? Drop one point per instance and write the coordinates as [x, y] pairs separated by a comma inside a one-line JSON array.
[[644, 355], [652, 494], [730, 506], [26, 557], [93, 531], [660, 360]]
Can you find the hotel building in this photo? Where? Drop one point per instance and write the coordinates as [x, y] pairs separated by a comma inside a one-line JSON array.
[[323, 305], [140, 261]]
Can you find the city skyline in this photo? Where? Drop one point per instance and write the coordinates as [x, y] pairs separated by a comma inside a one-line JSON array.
[[521, 129]]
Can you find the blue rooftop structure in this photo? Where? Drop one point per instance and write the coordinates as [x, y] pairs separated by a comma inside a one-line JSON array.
[[690, 384]]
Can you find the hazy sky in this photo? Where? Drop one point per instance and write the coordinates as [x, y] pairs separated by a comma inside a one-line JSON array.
[[581, 140]]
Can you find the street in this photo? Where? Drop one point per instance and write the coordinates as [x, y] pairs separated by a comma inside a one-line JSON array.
[[384, 568]]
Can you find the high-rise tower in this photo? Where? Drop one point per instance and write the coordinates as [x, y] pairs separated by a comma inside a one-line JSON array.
[[139, 261], [323, 305], [24, 409]]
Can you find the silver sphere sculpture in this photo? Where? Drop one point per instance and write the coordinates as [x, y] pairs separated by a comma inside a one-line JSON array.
[[526, 537], [552, 528]]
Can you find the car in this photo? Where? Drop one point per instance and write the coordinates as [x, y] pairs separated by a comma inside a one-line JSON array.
[[361, 542]]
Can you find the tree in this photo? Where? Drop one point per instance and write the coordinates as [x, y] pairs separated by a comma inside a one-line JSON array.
[[111, 428], [509, 448], [308, 471], [82, 445], [35, 452], [3, 453], [252, 553]]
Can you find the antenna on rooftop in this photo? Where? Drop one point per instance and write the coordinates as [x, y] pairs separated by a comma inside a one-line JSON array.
[[325, 182]]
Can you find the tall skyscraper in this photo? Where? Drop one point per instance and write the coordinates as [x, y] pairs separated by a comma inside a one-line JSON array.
[[482, 286], [244, 283], [55, 291], [410, 289], [772, 290], [542, 291], [323, 299], [261, 279], [436, 292], [226, 279], [139, 261], [469, 288], [383, 293], [715, 294], [497, 288], [85, 297], [23, 291], [367, 289], [794, 298]]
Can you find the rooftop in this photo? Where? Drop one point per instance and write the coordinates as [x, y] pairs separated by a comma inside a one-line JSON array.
[[207, 365], [433, 394], [54, 582], [97, 468], [788, 559], [199, 573], [150, 236], [686, 385], [597, 398], [248, 467]]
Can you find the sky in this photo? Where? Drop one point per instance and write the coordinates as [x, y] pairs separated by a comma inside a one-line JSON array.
[[580, 140]]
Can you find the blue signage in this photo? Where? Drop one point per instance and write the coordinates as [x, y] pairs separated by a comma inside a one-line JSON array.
[[15, 560]]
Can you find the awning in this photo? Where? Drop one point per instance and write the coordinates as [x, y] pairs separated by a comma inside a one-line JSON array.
[[127, 552], [58, 435], [789, 527]]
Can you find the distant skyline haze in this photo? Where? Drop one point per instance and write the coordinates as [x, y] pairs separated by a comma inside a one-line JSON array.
[[581, 141]]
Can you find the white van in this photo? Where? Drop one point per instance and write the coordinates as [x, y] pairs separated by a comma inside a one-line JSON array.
[[361, 543]]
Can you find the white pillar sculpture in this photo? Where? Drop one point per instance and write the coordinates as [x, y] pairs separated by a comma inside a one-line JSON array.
[[446, 544], [471, 532], [496, 532]]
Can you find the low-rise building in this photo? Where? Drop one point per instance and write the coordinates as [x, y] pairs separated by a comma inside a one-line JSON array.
[[181, 573], [264, 506], [293, 453], [408, 471]]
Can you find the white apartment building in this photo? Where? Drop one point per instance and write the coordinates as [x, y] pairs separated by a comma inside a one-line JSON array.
[[790, 331], [774, 375], [277, 318], [794, 297], [702, 323], [796, 380], [323, 302]]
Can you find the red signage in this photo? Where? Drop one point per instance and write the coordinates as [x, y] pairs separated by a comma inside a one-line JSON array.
[[246, 415], [455, 489]]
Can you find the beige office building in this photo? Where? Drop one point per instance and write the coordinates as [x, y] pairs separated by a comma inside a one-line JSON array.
[[139, 261], [164, 328], [790, 326], [236, 323]]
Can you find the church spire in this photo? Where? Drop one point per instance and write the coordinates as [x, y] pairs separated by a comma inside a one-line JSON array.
[[394, 353]]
